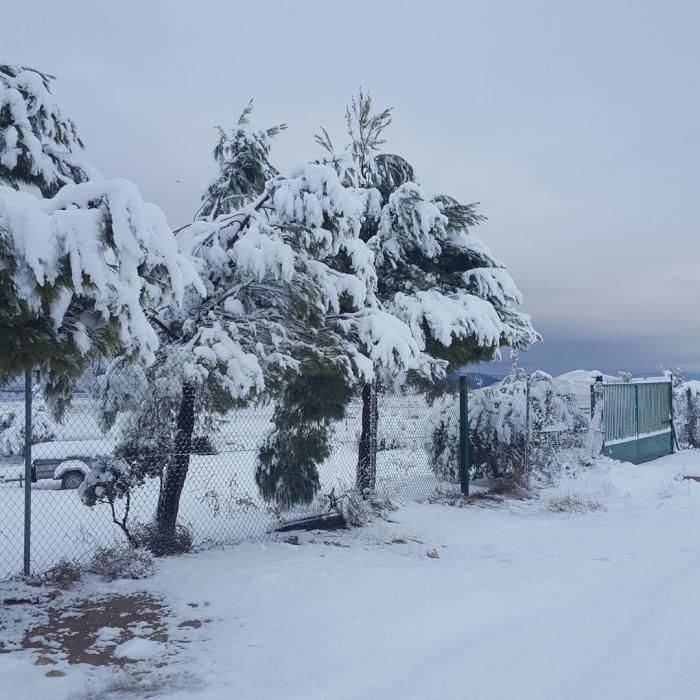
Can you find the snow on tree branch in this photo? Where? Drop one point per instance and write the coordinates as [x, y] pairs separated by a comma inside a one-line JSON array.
[[37, 140], [493, 284], [409, 222], [447, 318], [243, 157], [94, 257]]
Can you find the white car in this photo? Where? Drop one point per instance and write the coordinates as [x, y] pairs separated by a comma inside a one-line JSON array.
[[70, 469]]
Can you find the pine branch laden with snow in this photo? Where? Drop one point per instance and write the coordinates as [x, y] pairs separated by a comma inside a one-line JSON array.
[[38, 141], [460, 301], [243, 157], [447, 318], [409, 222], [80, 273], [292, 284]]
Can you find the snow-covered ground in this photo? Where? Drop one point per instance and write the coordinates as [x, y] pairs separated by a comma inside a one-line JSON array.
[[587, 590]]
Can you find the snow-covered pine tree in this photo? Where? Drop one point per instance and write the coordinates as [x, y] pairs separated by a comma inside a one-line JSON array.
[[82, 263], [289, 313], [433, 273]]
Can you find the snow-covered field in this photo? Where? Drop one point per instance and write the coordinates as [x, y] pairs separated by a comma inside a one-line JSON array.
[[587, 590]]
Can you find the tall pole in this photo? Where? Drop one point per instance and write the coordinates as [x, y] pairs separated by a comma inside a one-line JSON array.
[[463, 437], [27, 471]]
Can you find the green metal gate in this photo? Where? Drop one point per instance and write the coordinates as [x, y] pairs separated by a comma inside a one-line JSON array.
[[637, 419]]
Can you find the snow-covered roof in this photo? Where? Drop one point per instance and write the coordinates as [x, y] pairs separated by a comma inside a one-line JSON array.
[[586, 376]]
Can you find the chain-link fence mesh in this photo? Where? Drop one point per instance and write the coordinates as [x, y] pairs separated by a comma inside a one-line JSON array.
[[220, 500], [125, 452], [563, 432]]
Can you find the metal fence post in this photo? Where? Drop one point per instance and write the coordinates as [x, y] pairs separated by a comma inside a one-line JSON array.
[[636, 420], [373, 431], [673, 426], [463, 436], [527, 430], [27, 471]]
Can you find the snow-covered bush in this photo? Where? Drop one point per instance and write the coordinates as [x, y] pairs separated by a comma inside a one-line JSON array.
[[111, 480], [559, 430], [121, 562], [359, 509], [686, 412], [575, 503], [159, 542], [12, 426], [497, 428], [355, 509], [62, 575], [108, 479]]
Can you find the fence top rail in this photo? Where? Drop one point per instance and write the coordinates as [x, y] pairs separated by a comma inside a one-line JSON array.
[[650, 380]]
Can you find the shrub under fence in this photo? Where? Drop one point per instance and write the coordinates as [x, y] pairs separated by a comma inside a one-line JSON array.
[[522, 427]]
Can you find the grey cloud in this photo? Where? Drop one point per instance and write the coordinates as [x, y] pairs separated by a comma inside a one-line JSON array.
[[574, 124]]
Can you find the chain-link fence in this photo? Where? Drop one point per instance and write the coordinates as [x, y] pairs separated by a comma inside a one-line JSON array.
[[104, 471], [129, 452]]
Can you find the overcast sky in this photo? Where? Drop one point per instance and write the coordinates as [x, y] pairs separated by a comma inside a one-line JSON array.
[[575, 124]]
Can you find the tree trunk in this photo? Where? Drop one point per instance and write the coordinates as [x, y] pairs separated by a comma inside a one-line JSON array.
[[176, 470], [367, 458]]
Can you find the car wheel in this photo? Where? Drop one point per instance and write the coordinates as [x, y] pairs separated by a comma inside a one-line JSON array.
[[72, 480]]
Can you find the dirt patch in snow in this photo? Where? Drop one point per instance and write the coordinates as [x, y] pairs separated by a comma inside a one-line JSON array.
[[90, 631]]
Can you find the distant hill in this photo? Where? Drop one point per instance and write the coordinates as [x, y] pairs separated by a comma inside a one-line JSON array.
[[478, 380], [475, 380]]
